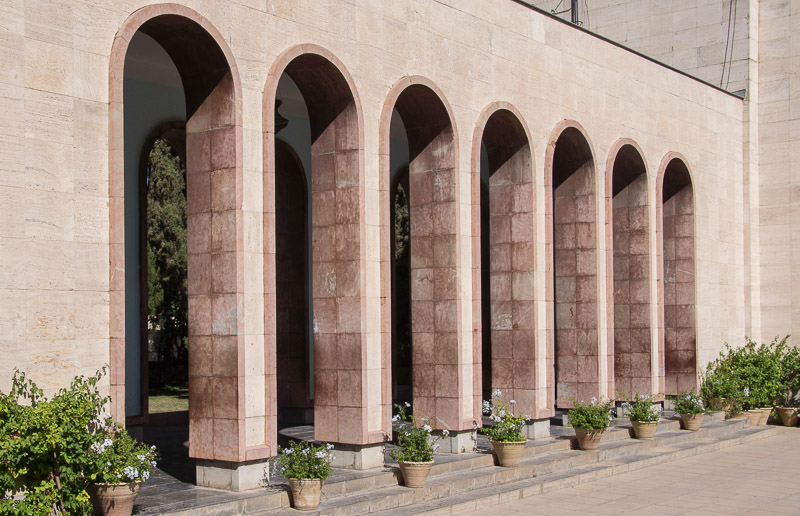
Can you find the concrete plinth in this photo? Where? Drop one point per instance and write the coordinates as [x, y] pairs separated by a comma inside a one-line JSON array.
[[358, 457], [230, 476], [537, 429], [458, 442]]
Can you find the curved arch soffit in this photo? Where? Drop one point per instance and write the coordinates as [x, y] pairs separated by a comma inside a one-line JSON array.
[[279, 67], [550, 150], [613, 153], [662, 171], [480, 128], [139, 18], [397, 89]]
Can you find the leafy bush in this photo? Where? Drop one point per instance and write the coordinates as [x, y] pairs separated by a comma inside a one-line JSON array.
[[44, 446], [302, 460], [507, 427], [591, 416], [642, 409], [789, 395], [688, 403], [753, 376], [414, 440]]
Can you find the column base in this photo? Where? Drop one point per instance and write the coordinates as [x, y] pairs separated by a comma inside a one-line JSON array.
[[354, 456], [230, 476], [458, 442], [537, 429]]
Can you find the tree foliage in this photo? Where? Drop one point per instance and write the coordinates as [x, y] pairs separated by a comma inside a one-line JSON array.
[[166, 252]]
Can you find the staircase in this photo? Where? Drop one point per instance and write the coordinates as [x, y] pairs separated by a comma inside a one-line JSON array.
[[469, 481]]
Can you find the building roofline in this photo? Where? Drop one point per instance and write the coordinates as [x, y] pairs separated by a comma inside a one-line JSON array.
[[524, 3]]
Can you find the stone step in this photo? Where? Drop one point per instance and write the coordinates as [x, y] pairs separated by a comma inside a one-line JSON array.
[[497, 494], [362, 492]]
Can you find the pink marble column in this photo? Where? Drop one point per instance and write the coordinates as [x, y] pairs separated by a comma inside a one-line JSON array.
[[215, 279]]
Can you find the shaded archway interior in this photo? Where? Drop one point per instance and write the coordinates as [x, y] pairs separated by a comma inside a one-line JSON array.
[[291, 281], [432, 201], [631, 273], [577, 353], [680, 345], [508, 263], [339, 374]]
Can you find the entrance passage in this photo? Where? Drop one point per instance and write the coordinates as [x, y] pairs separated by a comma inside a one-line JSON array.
[[575, 260], [680, 342], [508, 262], [631, 243]]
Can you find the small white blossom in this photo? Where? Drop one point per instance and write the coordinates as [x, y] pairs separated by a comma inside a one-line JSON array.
[[446, 432], [329, 446], [594, 400], [396, 418], [427, 427], [496, 393], [320, 455], [407, 404], [513, 402]]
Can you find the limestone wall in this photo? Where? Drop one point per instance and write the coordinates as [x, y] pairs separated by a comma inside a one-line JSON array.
[[54, 159]]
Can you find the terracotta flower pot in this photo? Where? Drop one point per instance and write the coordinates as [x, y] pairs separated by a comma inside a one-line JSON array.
[[644, 429], [305, 493], [508, 452], [692, 422], [788, 415], [588, 439], [114, 499], [415, 473], [754, 415]]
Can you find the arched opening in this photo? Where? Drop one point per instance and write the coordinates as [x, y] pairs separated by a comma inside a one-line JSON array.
[[575, 265], [680, 335], [633, 349], [508, 262], [183, 73], [315, 96], [292, 315], [422, 139]]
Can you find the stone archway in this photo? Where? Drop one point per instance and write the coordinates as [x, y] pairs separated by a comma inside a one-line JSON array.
[[580, 361], [510, 347], [445, 369], [677, 220], [348, 365], [634, 350], [218, 419]]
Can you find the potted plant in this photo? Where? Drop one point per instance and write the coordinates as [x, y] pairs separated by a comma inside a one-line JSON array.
[[506, 432], [789, 397], [122, 465], [415, 446], [306, 467], [590, 421], [644, 415], [691, 409]]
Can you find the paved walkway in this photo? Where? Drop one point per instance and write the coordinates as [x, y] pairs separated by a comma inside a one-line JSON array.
[[760, 477]]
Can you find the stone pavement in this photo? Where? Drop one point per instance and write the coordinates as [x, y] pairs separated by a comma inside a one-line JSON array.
[[757, 477]]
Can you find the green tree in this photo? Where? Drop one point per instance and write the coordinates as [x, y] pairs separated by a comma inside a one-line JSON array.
[[166, 253]]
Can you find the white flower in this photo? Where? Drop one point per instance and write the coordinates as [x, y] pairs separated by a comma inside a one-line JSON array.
[[446, 432], [502, 413], [153, 447], [746, 391], [407, 404], [320, 455], [496, 393], [642, 397], [329, 446], [513, 402], [594, 400], [288, 451], [108, 442], [396, 418], [427, 428]]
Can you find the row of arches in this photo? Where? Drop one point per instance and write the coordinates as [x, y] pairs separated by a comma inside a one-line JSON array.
[[316, 359]]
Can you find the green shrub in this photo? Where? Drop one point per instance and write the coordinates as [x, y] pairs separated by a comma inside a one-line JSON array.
[[594, 415], [642, 409], [44, 445], [689, 403], [302, 460], [414, 440], [507, 427]]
